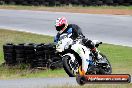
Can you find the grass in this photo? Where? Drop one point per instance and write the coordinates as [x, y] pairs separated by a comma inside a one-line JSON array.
[[15, 72], [119, 56], [7, 36]]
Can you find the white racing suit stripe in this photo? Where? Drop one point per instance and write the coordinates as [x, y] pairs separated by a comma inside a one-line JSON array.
[[85, 60], [83, 52]]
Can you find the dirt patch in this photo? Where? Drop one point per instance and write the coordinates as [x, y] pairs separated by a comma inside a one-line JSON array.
[[91, 11], [87, 10]]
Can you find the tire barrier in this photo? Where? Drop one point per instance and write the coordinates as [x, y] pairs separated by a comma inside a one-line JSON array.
[[37, 55], [20, 53], [29, 52], [41, 60], [9, 54], [66, 2]]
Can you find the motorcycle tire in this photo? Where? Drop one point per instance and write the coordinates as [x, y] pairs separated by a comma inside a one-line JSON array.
[[102, 71], [81, 80], [66, 66]]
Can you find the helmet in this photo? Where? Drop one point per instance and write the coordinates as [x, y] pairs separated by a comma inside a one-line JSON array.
[[61, 24]]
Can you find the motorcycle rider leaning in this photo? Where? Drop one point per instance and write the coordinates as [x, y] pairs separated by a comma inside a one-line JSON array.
[[63, 27]]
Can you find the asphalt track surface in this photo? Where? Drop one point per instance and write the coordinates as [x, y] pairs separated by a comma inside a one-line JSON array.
[[38, 83], [111, 29], [106, 28]]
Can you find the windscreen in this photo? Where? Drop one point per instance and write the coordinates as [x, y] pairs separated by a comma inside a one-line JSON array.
[[63, 36]]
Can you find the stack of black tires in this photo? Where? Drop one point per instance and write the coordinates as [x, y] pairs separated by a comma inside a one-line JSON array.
[[20, 53], [9, 54], [29, 53], [37, 55], [41, 59]]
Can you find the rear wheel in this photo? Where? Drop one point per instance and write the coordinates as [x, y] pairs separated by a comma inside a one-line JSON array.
[[70, 66]]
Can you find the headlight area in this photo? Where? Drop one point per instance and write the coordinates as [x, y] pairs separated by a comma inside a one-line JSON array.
[[66, 46], [59, 50]]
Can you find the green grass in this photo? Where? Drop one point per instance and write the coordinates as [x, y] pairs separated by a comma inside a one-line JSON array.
[[7, 36], [19, 7], [16, 72], [119, 56]]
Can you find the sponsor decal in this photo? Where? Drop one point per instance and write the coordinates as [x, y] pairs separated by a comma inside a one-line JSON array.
[[112, 78]]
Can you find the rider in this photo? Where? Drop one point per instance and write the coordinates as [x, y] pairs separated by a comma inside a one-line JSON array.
[[63, 27]]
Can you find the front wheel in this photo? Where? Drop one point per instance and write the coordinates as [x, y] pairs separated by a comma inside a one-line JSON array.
[[81, 80], [107, 69], [70, 66]]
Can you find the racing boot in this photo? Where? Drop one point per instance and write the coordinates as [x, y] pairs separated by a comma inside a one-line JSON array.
[[89, 70]]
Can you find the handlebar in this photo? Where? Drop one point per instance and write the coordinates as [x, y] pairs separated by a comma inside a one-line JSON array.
[[100, 42], [97, 45]]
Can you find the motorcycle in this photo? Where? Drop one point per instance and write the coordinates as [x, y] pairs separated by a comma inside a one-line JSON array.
[[71, 51]]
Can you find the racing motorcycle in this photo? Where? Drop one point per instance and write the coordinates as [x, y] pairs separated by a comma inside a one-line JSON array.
[[70, 52]]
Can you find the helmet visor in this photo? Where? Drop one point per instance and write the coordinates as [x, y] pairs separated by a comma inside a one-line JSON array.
[[59, 28]]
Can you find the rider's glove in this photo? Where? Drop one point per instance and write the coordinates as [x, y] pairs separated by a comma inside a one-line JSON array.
[[88, 43]]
